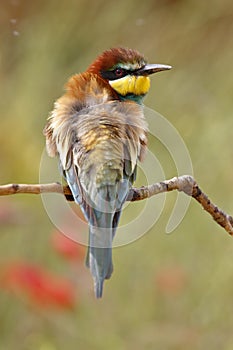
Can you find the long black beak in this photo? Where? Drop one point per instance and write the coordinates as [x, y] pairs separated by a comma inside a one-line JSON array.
[[151, 69]]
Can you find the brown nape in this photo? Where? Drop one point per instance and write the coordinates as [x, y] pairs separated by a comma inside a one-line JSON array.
[[111, 57], [80, 86]]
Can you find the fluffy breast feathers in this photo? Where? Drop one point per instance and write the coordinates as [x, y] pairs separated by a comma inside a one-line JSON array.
[[89, 125]]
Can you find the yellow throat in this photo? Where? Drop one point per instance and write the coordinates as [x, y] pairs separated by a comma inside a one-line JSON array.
[[131, 84]]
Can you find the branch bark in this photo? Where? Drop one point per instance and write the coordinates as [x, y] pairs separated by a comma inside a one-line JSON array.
[[185, 183]]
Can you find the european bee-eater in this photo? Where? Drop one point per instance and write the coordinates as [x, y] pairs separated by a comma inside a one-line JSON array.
[[98, 131]]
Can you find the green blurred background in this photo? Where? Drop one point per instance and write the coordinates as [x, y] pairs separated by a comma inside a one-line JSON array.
[[167, 291]]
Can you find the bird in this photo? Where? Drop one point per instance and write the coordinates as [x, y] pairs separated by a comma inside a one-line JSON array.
[[98, 131]]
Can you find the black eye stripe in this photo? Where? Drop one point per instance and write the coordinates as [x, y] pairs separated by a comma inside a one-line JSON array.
[[114, 74]]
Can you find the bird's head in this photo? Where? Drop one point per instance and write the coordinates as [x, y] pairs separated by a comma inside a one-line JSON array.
[[126, 71]]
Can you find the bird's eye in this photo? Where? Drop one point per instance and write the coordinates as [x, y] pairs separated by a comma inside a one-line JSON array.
[[119, 72], [114, 74]]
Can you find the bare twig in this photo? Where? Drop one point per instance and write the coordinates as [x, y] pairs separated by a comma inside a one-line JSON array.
[[184, 183], [188, 185], [55, 187]]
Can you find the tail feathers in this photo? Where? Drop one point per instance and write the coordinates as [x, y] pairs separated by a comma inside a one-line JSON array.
[[110, 269], [99, 260], [99, 283], [98, 288], [99, 256]]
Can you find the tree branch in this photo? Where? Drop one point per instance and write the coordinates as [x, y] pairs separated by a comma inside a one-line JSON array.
[[184, 183]]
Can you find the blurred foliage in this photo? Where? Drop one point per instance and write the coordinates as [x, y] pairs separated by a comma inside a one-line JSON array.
[[167, 292]]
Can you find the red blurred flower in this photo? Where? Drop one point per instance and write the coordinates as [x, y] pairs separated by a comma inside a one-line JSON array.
[[39, 286], [9, 213], [67, 248], [171, 280]]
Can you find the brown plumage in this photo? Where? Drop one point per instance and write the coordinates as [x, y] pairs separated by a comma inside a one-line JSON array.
[[98, 136], [115, 56]]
